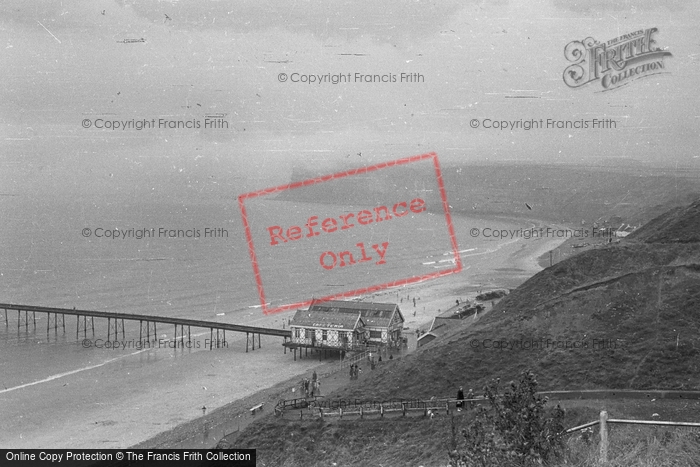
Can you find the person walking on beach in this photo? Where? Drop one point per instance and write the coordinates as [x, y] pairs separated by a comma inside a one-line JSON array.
[[460, 399], [314, 377]]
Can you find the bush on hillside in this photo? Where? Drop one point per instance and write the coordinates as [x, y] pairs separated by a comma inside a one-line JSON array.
[[515, 429], [491, 295]]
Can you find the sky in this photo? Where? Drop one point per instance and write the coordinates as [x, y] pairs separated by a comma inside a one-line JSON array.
[[69, 61]]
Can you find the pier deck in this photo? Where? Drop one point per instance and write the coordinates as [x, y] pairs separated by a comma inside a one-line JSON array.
[[148, 319]]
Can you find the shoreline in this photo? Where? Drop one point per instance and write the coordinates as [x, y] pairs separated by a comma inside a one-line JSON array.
[[231, 418], [161, 391]]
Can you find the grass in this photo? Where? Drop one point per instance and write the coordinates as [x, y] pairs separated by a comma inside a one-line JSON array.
[[636, 446], [645, 298], [423, 441]]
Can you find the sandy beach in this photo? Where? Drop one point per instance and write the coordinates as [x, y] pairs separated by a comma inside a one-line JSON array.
[[505, 266], [164, 389]]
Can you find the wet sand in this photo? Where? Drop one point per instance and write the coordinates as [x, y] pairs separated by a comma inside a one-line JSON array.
[[273, 377]]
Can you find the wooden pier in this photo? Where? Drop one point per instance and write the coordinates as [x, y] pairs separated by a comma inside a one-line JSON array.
[[115, 323]]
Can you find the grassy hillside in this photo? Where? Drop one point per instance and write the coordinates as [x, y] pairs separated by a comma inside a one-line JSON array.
[[679, 225], [623, 316]]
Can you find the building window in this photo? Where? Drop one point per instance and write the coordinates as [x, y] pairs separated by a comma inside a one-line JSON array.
[[375, 334], [324, 335], [306, 333]]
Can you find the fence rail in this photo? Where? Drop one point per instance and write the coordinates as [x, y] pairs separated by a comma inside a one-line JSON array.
[[321, 406], [604, 421]]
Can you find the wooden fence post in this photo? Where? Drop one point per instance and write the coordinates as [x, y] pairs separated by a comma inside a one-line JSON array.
[[603, 437]]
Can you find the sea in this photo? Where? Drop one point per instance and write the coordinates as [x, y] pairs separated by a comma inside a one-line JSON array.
[[56, 386]]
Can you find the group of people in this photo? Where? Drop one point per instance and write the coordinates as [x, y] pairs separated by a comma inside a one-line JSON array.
[[460, 399], [311, 388], [354, 371]]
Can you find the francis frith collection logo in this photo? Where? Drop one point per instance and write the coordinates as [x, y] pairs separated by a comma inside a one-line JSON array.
[[616, 62]]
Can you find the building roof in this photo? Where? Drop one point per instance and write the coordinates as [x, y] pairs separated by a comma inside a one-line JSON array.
[[373, 314], [438, 328], [441, 326], [327, 320]]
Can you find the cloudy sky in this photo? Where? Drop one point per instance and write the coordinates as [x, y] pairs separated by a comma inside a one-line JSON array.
[[67, 61]]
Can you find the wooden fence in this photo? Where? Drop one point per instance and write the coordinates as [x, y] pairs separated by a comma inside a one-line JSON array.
[[604, 420], [322, 407]]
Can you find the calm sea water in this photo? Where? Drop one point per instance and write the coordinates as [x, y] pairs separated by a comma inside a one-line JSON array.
[[47, 260]]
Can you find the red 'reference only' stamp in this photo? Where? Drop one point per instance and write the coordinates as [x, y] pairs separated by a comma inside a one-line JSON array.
[[350, 233]]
